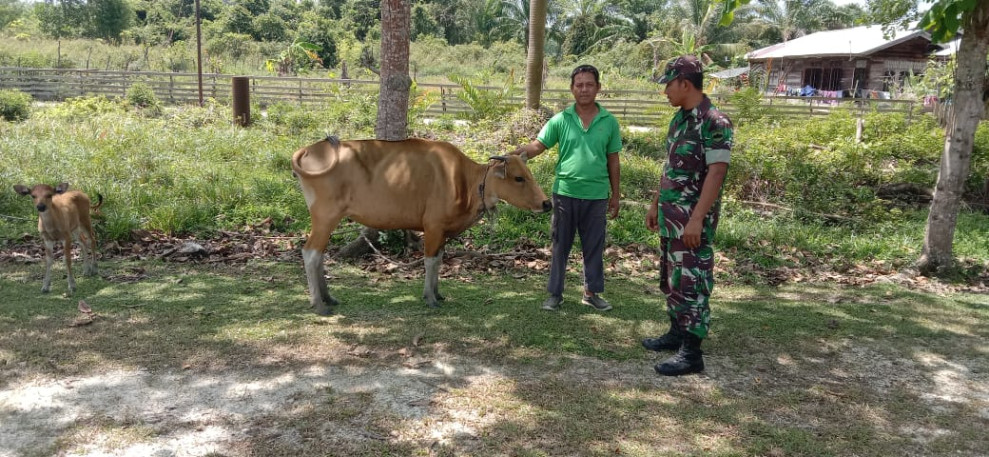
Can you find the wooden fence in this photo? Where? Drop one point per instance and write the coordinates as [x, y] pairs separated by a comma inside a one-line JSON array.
[[631, 107]]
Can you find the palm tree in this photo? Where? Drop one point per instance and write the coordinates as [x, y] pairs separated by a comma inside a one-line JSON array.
[[535, 54], [481, 18], [790, 19], [693, 28], [514, 22], [588, 24]]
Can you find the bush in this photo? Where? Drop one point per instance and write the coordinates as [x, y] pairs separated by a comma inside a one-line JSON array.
[[141, 96], [14, 105], [78, 108]]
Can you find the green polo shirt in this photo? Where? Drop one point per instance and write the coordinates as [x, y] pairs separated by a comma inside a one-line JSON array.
[[582, 168]]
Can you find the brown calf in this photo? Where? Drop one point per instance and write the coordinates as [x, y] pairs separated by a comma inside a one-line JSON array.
[[412, 184], [63, 215]]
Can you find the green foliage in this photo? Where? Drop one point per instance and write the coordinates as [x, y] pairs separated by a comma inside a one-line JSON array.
[[141, 95], [484, 104], [748, 106], [82, 108], [944, 19], [269, 27], [109, 18], [298, 56], [14, 105]]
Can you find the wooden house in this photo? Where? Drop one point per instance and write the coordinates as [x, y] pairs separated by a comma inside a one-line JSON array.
[[854, 60]]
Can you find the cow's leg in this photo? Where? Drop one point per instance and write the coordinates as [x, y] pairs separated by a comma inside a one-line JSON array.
[[312, 257], [432, 242], [46, 284], [87, 247], [67, 252]]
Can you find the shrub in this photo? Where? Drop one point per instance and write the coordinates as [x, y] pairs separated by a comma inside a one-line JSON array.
[[84, 107], [14, 105], [142, 96]]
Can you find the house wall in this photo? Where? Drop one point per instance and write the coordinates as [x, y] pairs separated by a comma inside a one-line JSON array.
[[883, 70]]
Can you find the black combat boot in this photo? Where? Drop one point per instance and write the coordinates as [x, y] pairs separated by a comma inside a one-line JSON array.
[[687, 360], [670, 341]]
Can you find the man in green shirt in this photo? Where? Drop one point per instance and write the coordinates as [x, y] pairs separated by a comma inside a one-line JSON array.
[[586, 184]]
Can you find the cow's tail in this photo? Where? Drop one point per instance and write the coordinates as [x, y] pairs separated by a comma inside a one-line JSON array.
[[95, 209], [317, 158]]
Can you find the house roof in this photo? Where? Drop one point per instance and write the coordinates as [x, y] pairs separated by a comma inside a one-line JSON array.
[[949, 49], [856, 41], [730, 73]]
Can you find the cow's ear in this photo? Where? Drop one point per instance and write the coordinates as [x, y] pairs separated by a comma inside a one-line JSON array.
[[61, 188], [499, 168], [524, 156], [22, 189]]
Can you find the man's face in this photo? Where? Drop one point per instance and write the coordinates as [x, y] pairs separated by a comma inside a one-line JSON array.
[[676, 91], [584, 88]]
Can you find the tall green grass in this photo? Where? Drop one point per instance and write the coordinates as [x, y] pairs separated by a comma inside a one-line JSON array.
[[189, 170]]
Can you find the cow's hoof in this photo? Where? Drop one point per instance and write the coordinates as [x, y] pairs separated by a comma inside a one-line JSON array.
[[433, 305], [322, 310], [330, 301], [440, 297]]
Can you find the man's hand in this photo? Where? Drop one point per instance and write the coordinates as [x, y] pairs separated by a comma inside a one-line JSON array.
[[692, 233], [652, 218], [613, 207]]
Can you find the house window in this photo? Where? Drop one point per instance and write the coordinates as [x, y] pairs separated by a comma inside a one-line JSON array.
[[823, 78], [892, 81]]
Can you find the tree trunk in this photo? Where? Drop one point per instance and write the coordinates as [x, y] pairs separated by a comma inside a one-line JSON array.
[[968, 110], [534, 62], [393, 100]]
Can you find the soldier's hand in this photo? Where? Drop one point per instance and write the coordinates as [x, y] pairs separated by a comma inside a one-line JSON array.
[[692, 234], [652, 218], [613, 206]]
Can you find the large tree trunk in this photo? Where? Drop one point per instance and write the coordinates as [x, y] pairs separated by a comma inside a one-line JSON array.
[[968, 109], [534, 62], [393, 100]]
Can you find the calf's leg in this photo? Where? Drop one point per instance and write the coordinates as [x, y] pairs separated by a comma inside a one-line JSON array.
[[46, 284], [67, 252]]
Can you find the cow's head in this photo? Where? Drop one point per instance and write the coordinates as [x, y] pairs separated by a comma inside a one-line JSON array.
[[42, 194], [509, 179]]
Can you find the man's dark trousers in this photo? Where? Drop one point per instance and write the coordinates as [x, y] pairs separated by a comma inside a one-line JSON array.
[[587, 218]]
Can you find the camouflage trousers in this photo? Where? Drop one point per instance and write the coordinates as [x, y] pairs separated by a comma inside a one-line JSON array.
[[687, 279]]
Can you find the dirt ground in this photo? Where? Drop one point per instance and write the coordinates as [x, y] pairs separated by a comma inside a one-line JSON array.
[[434, 402]]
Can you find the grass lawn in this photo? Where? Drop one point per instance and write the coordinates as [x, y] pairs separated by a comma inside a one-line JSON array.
[[227, 359]]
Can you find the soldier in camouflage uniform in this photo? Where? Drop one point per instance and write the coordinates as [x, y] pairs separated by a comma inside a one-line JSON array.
[[685, 213]]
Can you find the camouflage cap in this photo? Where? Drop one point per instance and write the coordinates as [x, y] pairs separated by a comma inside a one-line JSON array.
[[680, 66]]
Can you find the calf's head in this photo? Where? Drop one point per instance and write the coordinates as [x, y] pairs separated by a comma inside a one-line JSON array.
[[510, 180], [42, 194]]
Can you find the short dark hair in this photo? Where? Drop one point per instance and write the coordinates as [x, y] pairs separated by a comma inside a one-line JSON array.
[[697, 79], [585, 69]]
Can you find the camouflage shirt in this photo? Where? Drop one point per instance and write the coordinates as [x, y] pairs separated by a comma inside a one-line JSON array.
[[696, 138]]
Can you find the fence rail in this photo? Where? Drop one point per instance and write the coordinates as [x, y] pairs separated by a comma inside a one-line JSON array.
[[631, 107]]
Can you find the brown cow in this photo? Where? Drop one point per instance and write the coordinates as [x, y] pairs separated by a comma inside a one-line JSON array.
[[413, 185]]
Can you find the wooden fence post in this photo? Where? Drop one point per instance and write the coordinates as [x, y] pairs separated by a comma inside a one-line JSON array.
[[241, 94]]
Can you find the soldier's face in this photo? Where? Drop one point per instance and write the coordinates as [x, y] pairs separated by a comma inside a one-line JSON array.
[[675, 91]]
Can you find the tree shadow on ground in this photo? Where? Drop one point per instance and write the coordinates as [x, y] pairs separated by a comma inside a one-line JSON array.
[[234, 357]]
